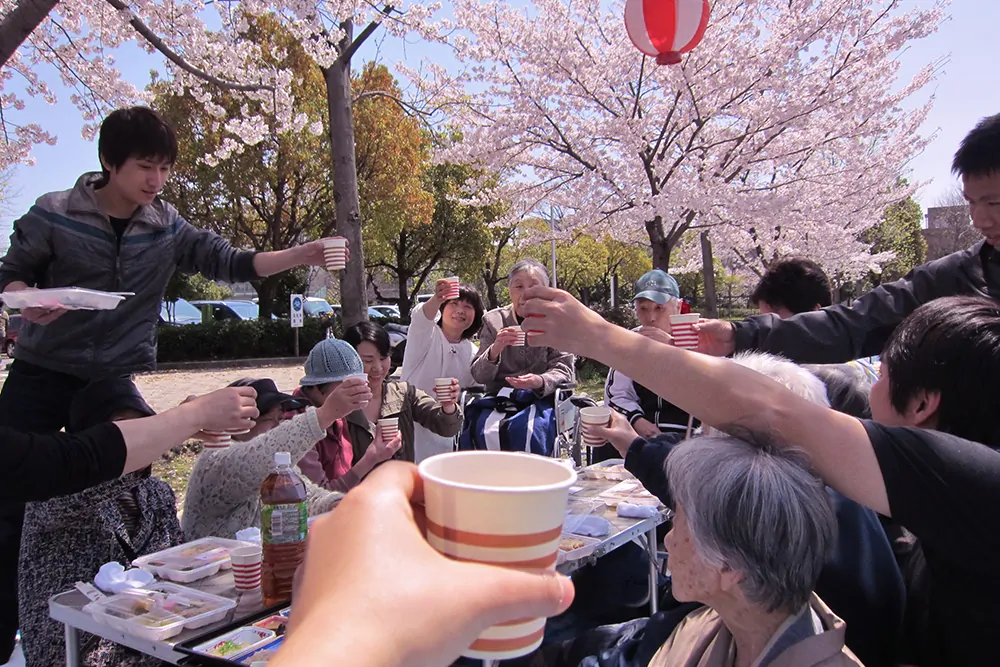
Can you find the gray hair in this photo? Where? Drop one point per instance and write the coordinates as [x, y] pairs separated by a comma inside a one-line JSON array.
[[529, 265], [756, 509], [795, 378]]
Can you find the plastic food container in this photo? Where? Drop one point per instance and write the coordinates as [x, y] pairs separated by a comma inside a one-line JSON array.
[[612, 469], [629, 492], [72, 298], [236, 643], [286, 612], [159, 611], [191, 561], [275, 624], [261, 656], [575, 547]]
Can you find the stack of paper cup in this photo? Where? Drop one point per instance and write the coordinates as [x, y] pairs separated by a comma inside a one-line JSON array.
[[442, 389], [453, 284], [498, 508], [246, 567], [682, 330], [388, 427], [335, 254], [591, 417]]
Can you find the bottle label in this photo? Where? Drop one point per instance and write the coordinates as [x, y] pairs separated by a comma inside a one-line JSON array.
[[284, 523]]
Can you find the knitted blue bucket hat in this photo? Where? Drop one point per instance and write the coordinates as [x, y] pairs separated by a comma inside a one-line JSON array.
[[331, 360]]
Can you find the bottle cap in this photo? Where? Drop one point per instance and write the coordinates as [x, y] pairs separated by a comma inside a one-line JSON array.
[[282, 459]]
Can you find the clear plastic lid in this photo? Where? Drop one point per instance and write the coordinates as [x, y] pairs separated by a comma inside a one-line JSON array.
[[191, 560], [161, 607]]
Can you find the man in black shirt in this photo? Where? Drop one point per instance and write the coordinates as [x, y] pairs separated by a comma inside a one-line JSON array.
[[939, 374]]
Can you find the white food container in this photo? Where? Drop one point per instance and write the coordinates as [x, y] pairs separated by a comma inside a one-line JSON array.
[[191, 561], [159, 611], [612, 469], [71, 298], [631, 491], [589, 544]]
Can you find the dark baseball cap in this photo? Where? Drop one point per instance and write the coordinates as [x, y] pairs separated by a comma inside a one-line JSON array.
[[102, 399], [658, 286], [268, 395]]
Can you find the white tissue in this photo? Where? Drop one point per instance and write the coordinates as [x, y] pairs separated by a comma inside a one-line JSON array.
[[630, 511], [114, 578], [251, 534]]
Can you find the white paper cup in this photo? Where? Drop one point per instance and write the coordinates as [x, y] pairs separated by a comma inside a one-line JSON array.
[[453, 287], [522, 337], [246, 567], [223, 440], [499, 508], [590, 417], [335, 254], [388, 427], [682, 330], [442, 389]]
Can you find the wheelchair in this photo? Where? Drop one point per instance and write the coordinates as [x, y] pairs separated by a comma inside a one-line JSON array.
[[567, 417]]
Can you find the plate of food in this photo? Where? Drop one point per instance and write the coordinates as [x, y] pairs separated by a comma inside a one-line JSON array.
[[575, 547]]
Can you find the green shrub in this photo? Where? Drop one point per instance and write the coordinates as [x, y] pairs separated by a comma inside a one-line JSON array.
[[236, 339]]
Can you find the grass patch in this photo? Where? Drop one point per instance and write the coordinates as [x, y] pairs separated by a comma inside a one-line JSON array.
[[175, 467]]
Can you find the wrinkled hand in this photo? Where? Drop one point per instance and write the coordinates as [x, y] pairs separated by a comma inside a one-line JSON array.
[[228, 409], [659, 335], [559, 321], [645, 428], [383, 451], [388, 576], [716, 337], [505, 338], [352, 394], [526, 381], [620, 434], [312, 253]]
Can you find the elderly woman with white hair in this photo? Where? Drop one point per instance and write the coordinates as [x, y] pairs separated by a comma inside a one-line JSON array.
[[751, 532], [502, 360]]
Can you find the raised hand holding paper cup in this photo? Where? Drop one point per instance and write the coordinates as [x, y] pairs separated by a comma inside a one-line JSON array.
[[388, 428], [683, 332], [446, 390], [453, 288], [594, 417], [498, 508], [335, 253]]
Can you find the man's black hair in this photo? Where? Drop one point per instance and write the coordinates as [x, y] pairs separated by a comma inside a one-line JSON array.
[[470, 295], [979, 153], [950, 346], [137, 132], [795, 283], [369, 332]]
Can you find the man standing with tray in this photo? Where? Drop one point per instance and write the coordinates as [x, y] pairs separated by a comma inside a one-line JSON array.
[[110, 232]]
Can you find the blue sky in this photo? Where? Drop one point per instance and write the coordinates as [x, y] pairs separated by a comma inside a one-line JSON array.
[[965, 91]]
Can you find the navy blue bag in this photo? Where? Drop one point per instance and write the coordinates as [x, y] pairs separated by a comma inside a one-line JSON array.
[[514, 420]]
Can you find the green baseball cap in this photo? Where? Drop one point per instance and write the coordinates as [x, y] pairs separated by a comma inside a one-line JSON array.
[[658, 286]]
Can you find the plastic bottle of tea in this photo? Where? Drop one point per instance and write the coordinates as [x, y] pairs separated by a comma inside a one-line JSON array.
[[284, 522]]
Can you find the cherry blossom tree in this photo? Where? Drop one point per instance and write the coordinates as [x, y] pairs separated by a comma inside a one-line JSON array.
[[785, 131], [205, 54]]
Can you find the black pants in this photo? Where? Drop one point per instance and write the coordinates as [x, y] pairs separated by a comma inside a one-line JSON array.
[[33, 400]]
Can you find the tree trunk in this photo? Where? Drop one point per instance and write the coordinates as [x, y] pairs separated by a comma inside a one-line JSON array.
[[490, 280], [353, 292], [267, 296], [708, 271], [20, 23], [659, 243]]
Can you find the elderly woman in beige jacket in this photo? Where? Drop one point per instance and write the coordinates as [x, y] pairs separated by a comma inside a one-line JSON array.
[[752, 529], [501, 362]]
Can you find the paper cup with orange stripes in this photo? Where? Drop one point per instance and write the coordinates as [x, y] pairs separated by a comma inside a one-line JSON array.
[[499, 508]]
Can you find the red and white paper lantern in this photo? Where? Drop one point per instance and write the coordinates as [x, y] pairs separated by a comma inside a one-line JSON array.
[[664, 29]]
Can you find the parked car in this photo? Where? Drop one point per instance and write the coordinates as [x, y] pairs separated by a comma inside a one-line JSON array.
[[424, 298], [10, 338], [178, 313], [386, 309], [316, 307], [231, 310]]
